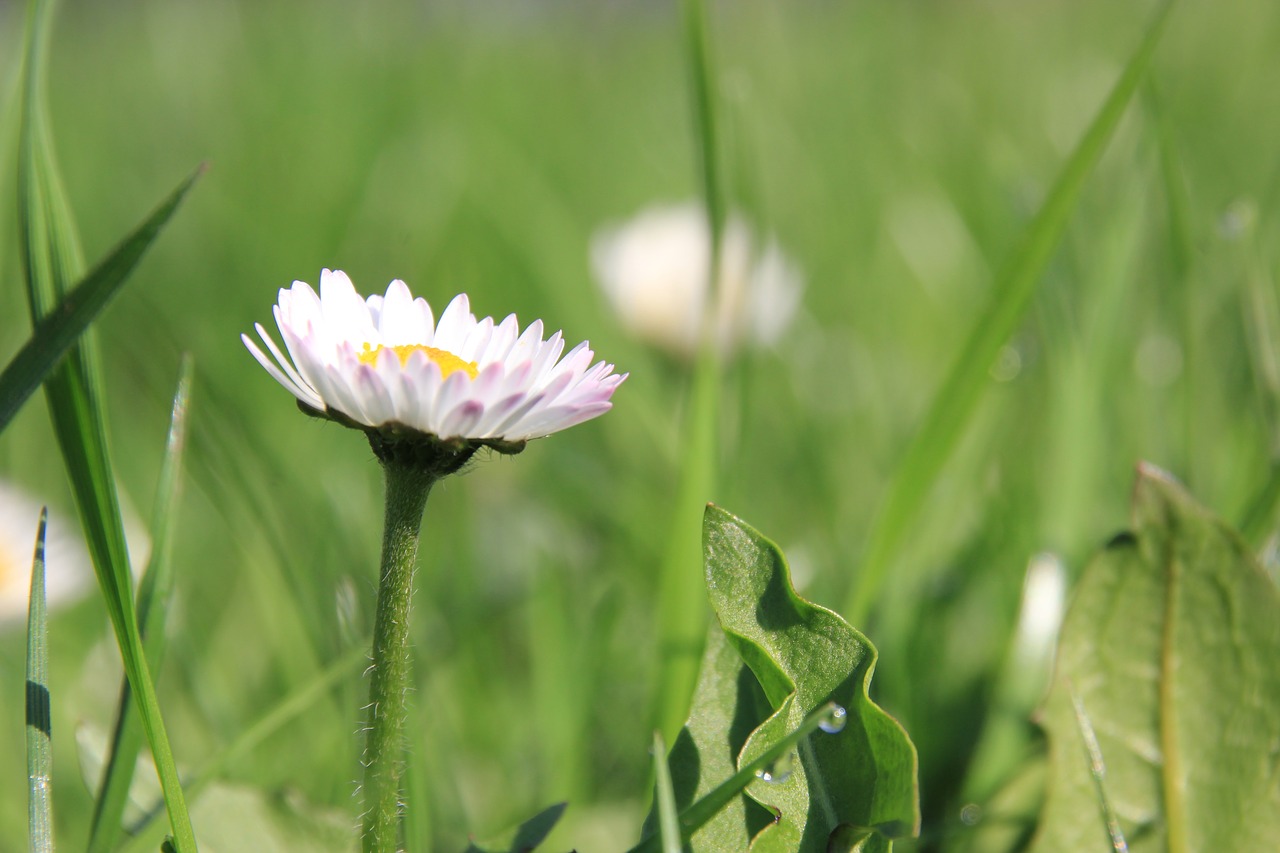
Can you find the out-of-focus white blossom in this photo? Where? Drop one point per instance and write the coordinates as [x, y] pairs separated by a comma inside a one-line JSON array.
[[1044, 597], [68, 571], [654, 271]]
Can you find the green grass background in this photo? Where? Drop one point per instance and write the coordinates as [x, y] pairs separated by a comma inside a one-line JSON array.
[[897, 150]]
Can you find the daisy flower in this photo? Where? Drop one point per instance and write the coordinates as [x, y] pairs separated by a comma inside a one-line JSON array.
[[384, 363], [653, 271], [427, 394]]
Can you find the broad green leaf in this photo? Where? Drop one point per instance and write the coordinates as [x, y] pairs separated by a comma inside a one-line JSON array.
[[39, 738], [1015, 284], [52, 262], [856, 786], [863, 776], [526, 837], [154, 593], [1168, 657]]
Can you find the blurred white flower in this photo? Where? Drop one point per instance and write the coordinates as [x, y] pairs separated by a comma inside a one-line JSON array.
[[654, 272], [1044, 597], [385, 362], [68, 571]]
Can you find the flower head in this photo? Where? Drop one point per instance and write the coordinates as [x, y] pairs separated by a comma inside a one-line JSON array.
[[653, 270], [385, 365]]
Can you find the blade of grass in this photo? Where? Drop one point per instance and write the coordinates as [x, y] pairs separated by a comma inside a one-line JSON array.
[[1261, 315], [65, 323], [39, 735], [694, 15], [665, 798], [52, 260], [154, 593], [149, 832], [681, 613], [956, 400], [1098, 770], [1182, 261], [696, 815]]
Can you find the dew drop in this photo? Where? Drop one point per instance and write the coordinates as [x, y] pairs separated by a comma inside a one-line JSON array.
[[834, 721], [780, 771], [971, 814]]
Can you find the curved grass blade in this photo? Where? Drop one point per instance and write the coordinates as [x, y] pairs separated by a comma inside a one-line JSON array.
[[154, 593], [52, 261], [39, 736], [60, 328], [681, 614], [1182, 266], [949, 414]]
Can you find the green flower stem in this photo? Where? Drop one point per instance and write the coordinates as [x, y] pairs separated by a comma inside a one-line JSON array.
[[407, 488]]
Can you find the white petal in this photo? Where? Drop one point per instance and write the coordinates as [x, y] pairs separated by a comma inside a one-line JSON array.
[[455, 323], [400, 321], [500, 344], [291, 386], [284, 363], [477, 341], [374, 398]]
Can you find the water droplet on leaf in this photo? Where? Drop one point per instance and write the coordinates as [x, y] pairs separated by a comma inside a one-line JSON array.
[[834, 721], [780, 771]]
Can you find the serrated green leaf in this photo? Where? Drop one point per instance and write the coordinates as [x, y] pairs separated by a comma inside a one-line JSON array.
[[154, 593], [525, 837], [1015, 284], [68, 320], [1170, 651], [39, 737], [803, 657]]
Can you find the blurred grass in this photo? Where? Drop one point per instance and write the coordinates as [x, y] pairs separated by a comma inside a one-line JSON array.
[[897, 150]]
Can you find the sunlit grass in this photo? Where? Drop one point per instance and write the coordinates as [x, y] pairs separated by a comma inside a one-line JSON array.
[[897, 151]]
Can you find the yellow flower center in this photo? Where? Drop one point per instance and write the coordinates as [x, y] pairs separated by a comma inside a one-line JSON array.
[[448, 361]]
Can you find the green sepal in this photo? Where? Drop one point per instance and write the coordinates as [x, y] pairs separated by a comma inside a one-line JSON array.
[[414, 448]]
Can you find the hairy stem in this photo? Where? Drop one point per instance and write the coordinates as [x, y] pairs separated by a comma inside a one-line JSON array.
[[407, 490]]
